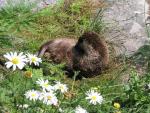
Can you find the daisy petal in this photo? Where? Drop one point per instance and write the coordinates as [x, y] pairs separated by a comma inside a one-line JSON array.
[[8, 64]]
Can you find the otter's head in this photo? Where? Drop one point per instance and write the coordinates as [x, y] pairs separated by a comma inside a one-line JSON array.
[[89, 40]]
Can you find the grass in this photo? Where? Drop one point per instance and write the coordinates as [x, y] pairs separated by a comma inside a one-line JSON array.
[[24, 30]]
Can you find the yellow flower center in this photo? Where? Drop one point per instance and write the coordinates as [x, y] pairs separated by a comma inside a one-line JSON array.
[[117, 105], [118, 112], [33, 59], [94, 98], [33, 94], [61, 87], [15, 60], [49, 97], [28, 74], [45, 85]]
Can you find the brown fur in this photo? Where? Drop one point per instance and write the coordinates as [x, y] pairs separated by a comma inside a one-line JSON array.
[[58, 50], [89, 54]]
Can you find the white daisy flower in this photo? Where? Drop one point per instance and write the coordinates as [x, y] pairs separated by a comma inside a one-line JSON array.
[[79, 109], [62, 87], [15, 60], [148, 86], [94, 97], [44, 84], [49, 98], [32, 95], [34, 59], [60, 110], [24, 106]]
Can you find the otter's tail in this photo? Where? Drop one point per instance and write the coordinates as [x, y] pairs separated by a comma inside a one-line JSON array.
[[43, 49]]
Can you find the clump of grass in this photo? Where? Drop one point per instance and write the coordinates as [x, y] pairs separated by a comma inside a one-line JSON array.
[[15, 16], [50, 21]]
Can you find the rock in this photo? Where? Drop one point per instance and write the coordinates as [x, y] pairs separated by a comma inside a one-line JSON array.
[[126, 25], [36, 5]]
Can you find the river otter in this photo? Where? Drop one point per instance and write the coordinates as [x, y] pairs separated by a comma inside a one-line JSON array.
[[88, 54]]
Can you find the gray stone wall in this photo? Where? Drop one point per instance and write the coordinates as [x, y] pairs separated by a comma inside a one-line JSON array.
[[125, 20]]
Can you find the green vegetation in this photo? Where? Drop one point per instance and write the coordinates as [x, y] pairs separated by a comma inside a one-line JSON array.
[[22, 29]]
